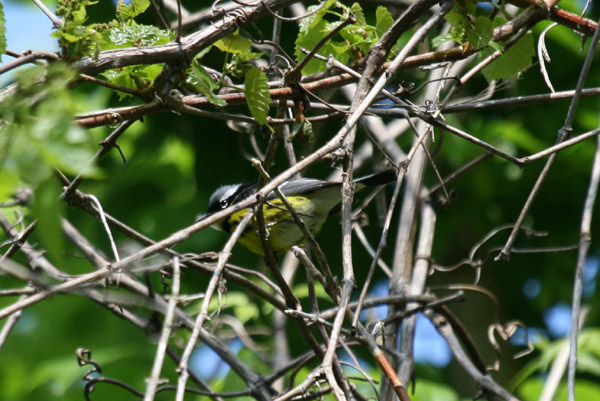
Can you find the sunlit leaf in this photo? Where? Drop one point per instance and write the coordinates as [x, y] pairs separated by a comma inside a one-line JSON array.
[[133, 9], [136, 35], [481, 34], [138, 77], [39, 133], [312, 29], [429, 390], [384, 20], [8, 183], [257, 94], [205, 84], [444, 37], [357, 10], [233, 44], [515, 60]]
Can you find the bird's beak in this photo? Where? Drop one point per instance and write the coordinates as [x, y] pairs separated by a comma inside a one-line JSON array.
[[216, 225]]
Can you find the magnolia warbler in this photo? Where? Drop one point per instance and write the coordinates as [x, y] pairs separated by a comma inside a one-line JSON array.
[[313, 200]]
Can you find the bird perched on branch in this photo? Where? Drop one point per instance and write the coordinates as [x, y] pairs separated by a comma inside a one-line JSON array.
[[313, 201]]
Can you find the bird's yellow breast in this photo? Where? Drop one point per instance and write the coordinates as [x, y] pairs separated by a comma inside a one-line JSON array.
[[283, 232]]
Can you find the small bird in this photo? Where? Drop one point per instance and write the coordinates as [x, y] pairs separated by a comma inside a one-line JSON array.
[[313, 200]]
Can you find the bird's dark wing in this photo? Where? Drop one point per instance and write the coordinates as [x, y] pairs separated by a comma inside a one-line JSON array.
[[244, 191], [308, 185], [374, 180], [301, 186]]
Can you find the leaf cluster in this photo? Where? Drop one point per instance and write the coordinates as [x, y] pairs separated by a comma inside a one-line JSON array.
[[238, 55], [476, 31], [78, 39], [354, 40], [38, 131]]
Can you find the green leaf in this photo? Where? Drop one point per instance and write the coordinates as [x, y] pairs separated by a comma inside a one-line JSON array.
[[496, 46], [383, 20], [48, 209], [133, 9], [499, 20], [2, 31], [584, 390], [515, 60], [201, 80], [438, 40], [357, 43], [135, 35], [121, 77], [75, 39], [257, 94], [590, 341], [482, 33], [589, 352], [62, 373], [515, 133], [78, 40], [458, 23], [243, 309], [247, 56], [73, 11], [430, 390], [455, 18], [8, 184], [203, 52], [312, 29], [588, 363], [313, 20], [357, 10], [138, 77], [39, 133], [308, 40], [303, 131], [233, 44]]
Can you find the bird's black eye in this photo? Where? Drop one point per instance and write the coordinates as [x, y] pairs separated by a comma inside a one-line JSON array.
[[223, 203]]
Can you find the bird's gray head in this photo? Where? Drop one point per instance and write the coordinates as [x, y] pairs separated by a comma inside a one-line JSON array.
[[220, 199], [226, 196], [223, 197]]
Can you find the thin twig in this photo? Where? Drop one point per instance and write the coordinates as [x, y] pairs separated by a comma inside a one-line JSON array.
[[482, 379], [203, 315], [106, 145], [388, 218], [113, 245], [164, 335], [9, 325], [585, 239], [563, 133], [559, 365], [29, 57], [560, 146], [57, 22]]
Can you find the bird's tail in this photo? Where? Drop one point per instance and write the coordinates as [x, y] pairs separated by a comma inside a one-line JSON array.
[[374, 180]]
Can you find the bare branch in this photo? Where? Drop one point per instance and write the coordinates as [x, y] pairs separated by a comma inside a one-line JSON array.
[[164, 335]]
